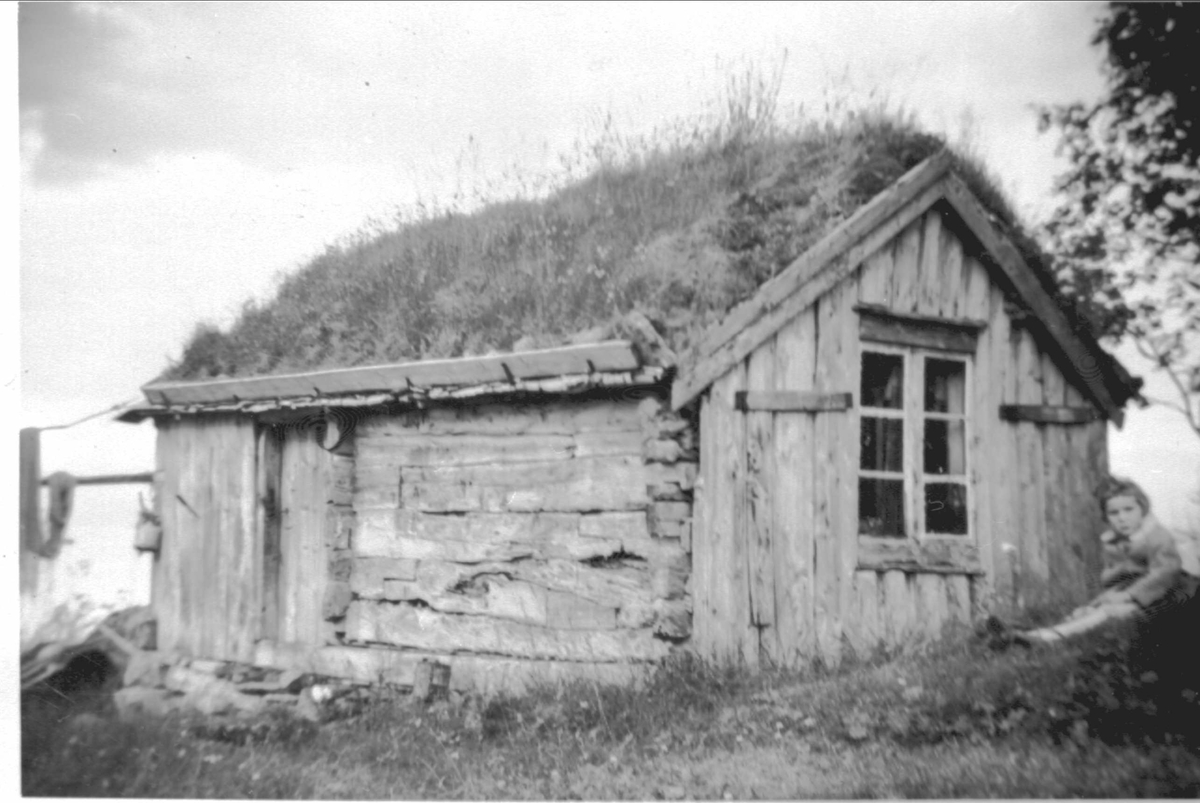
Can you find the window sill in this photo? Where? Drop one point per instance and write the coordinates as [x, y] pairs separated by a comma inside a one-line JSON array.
[[937, 554]]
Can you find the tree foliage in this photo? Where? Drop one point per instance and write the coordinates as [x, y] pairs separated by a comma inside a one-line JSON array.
[[1125, 232]]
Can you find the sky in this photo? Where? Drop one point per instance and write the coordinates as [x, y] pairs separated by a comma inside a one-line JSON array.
[[176, 159]]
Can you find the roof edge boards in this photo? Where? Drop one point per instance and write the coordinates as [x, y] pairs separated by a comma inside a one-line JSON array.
[[816, 271], [1021, 276], [809, 276], [607, 356], [646, 376]]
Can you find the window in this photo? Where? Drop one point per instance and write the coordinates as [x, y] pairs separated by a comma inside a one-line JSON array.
[[913, 479]]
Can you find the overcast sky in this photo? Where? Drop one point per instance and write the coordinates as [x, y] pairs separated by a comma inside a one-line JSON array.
[[175, 159]]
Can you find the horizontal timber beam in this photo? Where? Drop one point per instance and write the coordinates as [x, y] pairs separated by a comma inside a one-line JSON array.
[[1049, 414], [791, 401], [111, 479]]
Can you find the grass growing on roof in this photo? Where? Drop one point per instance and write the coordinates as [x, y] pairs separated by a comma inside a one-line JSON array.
[[681, 225]]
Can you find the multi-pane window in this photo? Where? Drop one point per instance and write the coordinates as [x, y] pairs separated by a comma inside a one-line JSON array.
[[913, 443]]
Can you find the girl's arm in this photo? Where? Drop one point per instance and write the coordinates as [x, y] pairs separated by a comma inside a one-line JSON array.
[[1162, 570]]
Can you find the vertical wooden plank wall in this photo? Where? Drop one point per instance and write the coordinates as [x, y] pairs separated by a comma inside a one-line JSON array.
[[730, 593], [758, 492], [793, 484], [1033, 516], [836, 488], [164, 588], [206, 592]]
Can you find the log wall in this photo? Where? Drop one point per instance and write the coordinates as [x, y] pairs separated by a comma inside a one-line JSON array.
[[777, 558], [547, 539]]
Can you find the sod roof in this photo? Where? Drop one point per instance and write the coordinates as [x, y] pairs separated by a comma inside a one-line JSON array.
[[681, 234]]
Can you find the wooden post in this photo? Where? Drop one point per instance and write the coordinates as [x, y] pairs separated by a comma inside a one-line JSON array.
[[31, 529]]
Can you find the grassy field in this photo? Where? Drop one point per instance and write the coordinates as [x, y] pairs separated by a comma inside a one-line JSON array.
[[1114, 716]]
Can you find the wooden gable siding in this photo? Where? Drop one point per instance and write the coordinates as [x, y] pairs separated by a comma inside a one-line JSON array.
[[206, 589], [794, 498]]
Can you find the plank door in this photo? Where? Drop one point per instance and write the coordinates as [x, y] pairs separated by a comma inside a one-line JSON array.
[[295, 553]]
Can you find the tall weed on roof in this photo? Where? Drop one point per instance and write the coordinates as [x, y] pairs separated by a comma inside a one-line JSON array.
[[680, 224]]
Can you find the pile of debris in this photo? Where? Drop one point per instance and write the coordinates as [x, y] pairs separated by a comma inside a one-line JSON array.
[[121, 652], [70, 655], [156, 684]]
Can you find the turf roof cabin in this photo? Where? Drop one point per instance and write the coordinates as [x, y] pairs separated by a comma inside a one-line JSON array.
[[518, 516], [900, 431]]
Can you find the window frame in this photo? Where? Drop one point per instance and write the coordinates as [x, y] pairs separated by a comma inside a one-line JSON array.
[[918, 549]]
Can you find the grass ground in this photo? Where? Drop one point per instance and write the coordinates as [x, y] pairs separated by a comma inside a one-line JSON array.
[[1113, 716]]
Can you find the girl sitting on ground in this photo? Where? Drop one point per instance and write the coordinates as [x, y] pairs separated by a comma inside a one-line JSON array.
[[1147, 569]]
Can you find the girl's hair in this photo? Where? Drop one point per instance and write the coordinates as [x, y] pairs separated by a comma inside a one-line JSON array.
[[1120, 486]]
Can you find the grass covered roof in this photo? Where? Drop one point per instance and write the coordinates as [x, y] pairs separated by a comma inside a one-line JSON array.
[[680, 231]]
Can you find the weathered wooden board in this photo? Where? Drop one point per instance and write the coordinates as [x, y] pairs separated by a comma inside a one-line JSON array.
[[1031, 478], [836, 488], [999, 459], [919, 331], [426, 629], [959, 610], [875, 278], [931, 279], [504, 536], [906, 270], [1057, 414], [628, 582], [207, 594], [705, 618], [758, 495], [303, 570], [1064, 569], [952, 287], [270, 472], [579, 484], [974, 300], [611, 356], [795, 359], [730, 597], [791, 401], [563, 418], [865, 630], [983, 396], [420, 449], [899, 622], [246, 603], [482, 674], [165, 578], [932, 605], [934, 555]]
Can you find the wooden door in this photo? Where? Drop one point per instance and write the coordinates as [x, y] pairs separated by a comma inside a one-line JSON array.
[[295, 554]]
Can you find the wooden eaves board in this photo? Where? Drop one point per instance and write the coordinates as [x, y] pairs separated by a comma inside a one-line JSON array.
[[835, 257], [613, 355]]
